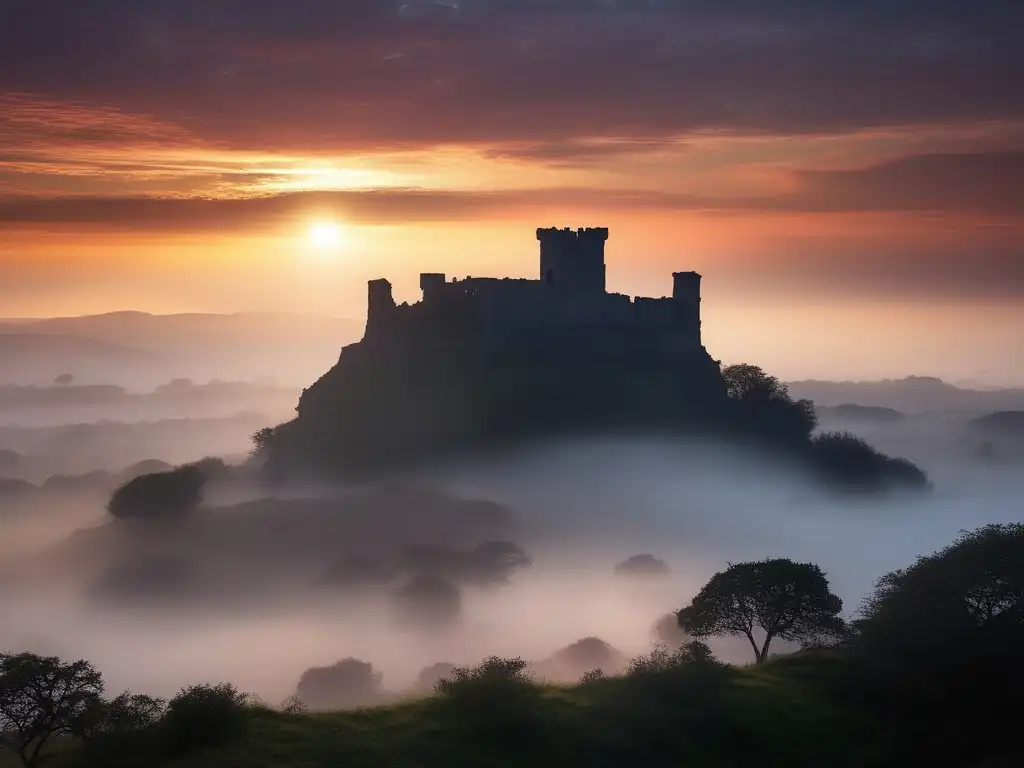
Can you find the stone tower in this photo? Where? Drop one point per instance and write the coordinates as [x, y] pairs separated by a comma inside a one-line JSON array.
[[686, 296], [573, 260]]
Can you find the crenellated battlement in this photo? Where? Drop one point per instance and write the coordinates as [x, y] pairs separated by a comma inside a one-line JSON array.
[[570, 297], [568, 233]]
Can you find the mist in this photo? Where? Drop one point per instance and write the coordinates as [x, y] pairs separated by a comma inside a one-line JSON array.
[[246, 605]]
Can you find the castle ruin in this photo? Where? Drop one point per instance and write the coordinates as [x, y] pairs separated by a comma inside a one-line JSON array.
[[568, 302]]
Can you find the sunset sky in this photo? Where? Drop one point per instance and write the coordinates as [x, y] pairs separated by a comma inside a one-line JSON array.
[[847, 176]]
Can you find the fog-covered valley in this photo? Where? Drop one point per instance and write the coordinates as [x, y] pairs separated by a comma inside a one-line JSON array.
[[242, 590]]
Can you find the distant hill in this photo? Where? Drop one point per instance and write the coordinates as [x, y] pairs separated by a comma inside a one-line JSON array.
[[138, 349], [144, 329], [913, 394], [862, 413], [21, 345], [1010, 423]]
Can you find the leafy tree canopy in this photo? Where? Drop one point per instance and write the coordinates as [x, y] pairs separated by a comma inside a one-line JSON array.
[[976, 582], [42, 698], [763, 404], [776, 598], [348, 683], [165, 495]]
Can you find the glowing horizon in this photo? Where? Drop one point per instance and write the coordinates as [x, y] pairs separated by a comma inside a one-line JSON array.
[[807, 161]]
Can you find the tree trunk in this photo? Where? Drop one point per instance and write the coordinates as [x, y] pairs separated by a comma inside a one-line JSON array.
[[757, 651]]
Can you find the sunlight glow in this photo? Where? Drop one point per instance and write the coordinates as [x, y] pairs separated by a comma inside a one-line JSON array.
[[324, 235]]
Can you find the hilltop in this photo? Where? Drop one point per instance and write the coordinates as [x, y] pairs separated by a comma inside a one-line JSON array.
[[481, 363]]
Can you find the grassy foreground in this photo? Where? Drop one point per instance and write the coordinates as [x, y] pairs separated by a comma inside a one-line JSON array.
[[697, 715]]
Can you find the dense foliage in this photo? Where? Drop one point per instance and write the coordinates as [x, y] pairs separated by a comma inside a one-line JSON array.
[[42, 698], [344, 685], [938, 643], [765, 600]]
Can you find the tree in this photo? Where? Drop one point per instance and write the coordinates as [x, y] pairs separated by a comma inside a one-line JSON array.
[[262, 440], [205, 715], [349, 683], [744, 381], [778, 598], [160, 495], [123, 731], [974, 583], [938, 644], [64, 380], [127, 713], [42, 698], [763, 403]]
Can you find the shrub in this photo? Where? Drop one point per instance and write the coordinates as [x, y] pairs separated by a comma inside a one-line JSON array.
[[349, 683], [293, 705], [496, 699], [663, 659], [205, 715], [494, 674], [124, 731]]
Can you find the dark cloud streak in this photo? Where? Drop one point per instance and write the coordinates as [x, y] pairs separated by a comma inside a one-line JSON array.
[[983, 183], [365, 73]]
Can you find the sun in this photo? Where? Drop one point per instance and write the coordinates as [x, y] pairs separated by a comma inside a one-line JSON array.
[[324, 235]]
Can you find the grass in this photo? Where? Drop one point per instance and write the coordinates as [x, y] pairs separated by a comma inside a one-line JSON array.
[[777, 714]]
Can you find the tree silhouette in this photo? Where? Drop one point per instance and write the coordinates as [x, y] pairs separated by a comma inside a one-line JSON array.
[[750, 383], [977, 582], [349, 683], [762, 404], [938, 646], [778, 597], [262, 441], [42, 698], [160, 495]]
